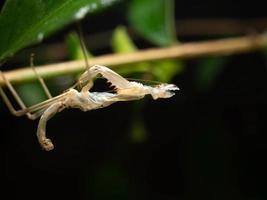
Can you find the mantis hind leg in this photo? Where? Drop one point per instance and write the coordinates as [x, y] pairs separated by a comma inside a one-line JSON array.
[[24, 110], [8, 103]]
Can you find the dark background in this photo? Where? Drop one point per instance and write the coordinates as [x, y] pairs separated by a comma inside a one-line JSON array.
[[200, 145]]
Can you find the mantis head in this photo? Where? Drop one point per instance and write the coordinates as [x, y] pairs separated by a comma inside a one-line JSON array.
[[163, 90]]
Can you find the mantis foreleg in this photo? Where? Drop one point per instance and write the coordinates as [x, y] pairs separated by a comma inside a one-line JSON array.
[[41, 130]]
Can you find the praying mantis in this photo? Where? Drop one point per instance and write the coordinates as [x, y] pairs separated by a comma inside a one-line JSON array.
[[83, 99]]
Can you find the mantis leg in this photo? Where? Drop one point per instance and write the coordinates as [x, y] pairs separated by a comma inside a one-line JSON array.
[[88, 86], [17, 98], [10, 106], [41, 80], [45, 142], [123, 97], [112, 77], [19, 112]]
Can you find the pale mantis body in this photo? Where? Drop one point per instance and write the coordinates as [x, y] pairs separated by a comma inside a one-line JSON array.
[[84, 100]]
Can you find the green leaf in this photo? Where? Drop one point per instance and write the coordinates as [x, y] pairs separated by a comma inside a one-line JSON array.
[[165, 70], [138, 130], [162, 70], [109, 181], [208, 71], [122, 43], [29, 21], [154, 20], [265, 51], [74, 49], [31, 93]]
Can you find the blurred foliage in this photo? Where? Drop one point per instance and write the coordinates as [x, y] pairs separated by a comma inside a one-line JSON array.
[[154, 19], [122, 43], [162, 71], [265, 52], [138, 132], [207, 72], [31, 93], [110, 181], [74, 49], [38, 19]]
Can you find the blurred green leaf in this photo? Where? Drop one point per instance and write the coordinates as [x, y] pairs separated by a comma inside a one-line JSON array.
[[165, 70], [208, 71], [154, 20], [161, 70], [122, 43], [138, 131], [265, 52], [29, 21], [31, 93], [74, 49], [110, 181]]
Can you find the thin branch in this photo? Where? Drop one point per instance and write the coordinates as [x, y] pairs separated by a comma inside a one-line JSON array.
[[220, 26], [182, 51], [184, 27]]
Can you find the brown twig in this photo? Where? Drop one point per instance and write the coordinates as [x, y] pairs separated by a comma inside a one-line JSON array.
[[220, 26], [181, 51]]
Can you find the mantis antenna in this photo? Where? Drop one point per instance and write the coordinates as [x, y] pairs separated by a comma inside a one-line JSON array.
[[88, 81], [84, 50]]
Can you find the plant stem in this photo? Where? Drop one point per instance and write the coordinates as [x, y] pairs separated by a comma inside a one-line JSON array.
[[221, 47]]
